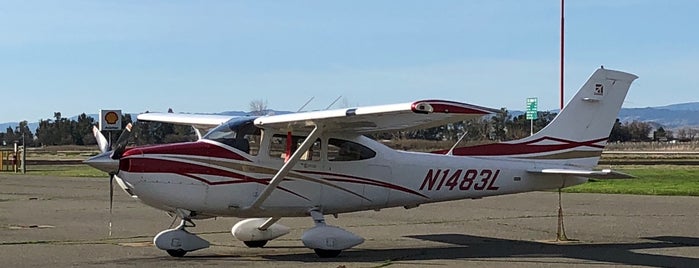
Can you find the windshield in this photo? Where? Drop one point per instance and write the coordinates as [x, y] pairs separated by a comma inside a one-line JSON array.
[[240, 133]]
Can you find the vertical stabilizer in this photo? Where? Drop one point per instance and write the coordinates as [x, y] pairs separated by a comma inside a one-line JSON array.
[[582, 128], [592, 112], [577, 136]]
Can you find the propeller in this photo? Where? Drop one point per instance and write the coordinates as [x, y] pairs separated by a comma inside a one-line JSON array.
[[102, 142], [106, 160], [121, 143]]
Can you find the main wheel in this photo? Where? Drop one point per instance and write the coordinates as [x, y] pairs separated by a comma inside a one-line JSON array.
[[255, 244], [326, 253], [176, 252]]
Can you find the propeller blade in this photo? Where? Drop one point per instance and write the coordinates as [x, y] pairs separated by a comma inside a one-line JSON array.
[[102, 142], [122, 141]]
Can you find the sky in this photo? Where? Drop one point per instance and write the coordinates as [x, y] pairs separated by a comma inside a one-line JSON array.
[[213, 56]]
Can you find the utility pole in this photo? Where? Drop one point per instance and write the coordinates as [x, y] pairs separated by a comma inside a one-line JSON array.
[[561, 232], [562, 45]]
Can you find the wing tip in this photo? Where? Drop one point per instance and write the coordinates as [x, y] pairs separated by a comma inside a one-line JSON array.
[[445, 106]]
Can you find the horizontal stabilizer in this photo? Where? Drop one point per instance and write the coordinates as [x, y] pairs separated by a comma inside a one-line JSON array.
[[598, 174]]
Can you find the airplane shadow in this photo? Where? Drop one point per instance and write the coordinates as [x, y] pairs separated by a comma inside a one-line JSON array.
[[465, 247], [476, 247]]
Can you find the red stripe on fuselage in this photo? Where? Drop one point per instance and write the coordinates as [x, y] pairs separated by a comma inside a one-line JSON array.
[[521, 148], [150, 165], [187, 148], [354, 179]]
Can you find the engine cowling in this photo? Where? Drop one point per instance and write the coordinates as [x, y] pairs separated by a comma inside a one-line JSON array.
[[247, 230], [328, 237]]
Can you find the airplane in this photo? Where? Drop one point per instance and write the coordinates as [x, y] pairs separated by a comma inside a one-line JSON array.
[[318, 163]]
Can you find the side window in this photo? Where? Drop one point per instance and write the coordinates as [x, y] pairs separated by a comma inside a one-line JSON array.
[[253, 142], [242, 135], [277, 148], [342, 150]]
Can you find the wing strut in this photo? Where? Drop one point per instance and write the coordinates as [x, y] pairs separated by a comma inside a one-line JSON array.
[[269, 222], [288, 165]]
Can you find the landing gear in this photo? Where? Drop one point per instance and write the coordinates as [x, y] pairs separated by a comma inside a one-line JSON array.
[[328, 241], [178, 241], [256, 232], [255, 244]]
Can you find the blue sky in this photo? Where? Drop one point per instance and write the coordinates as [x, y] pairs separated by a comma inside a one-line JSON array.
[[212, 56]]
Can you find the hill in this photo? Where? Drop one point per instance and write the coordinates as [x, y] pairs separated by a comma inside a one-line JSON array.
[[669, 116]]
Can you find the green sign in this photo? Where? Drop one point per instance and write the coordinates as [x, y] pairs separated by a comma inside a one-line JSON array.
[[532, 108]]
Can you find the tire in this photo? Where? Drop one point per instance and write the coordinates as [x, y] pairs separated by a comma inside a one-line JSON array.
[[176, 252], [255, 244], [326, 253]]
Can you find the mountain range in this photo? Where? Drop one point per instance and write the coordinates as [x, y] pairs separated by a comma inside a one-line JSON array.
[[672, 116]]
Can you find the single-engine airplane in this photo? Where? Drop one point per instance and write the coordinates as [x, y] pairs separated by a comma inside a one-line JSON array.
[[312, 164]]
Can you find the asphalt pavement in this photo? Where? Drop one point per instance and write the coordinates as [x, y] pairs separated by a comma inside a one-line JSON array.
[[63, 222]]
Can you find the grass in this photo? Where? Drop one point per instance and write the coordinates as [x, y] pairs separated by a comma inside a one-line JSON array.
[[65, 171], [650, 180]]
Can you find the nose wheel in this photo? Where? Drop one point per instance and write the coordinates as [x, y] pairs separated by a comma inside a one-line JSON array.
[[178, 241], [326, 240]]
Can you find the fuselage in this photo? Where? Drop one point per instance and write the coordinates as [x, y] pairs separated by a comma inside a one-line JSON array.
[[218, 177]]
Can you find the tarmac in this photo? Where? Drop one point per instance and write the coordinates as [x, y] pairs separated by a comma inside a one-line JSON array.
[[63, 222]]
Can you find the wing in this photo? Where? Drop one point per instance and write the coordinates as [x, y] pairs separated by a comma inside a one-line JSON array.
[[598, 174], [362, 120], [372, 119], [200, 122]]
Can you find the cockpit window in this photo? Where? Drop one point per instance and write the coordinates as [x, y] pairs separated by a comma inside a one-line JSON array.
[[277, 147], [343, 150], [240, 133]]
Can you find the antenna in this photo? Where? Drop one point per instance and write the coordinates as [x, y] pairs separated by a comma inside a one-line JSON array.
[[304, 105], [451, 151], [333, 103]]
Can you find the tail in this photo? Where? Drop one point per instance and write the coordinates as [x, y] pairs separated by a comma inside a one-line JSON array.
[[577, 136], [579, 133], [589, 116]]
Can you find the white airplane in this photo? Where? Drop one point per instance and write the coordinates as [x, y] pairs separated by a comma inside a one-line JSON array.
[[312, 164]]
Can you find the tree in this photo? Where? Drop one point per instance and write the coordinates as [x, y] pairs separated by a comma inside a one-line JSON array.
[[660, 134], [499, 124], [478, 129], [23, 131], [62, 131], [682, 134], [692, 133], [258, 107], [10, 136], [619, 132], [82, 130], [639, 131]]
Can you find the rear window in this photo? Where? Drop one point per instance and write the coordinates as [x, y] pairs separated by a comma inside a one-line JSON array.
[[344, 150]]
